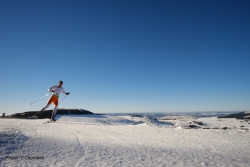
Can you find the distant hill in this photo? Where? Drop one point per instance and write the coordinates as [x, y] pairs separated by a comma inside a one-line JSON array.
[[47, 113], [241, 115]]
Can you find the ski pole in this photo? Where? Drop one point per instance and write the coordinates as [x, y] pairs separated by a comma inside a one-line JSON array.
[[62, 99], [39, 99]]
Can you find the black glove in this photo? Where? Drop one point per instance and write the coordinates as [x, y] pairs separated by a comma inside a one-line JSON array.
[[67, 93]]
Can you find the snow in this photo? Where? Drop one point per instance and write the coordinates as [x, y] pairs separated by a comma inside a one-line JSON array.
[[125, 140]]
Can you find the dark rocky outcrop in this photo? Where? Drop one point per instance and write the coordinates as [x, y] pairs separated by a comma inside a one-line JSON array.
[[198, 122], [192, 126], [47, 113], [241, 115]]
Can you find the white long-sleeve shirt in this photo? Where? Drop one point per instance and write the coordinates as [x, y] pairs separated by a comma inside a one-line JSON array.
[[57, 90]]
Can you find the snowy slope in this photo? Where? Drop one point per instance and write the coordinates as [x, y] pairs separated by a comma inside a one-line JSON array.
[[101, 140]]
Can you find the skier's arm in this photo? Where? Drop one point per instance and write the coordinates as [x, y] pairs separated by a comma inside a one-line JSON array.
[[51, 89], [65, 92]]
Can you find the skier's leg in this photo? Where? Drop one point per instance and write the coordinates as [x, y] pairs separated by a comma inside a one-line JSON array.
[[54, 113], [55, 109], [44, 108]]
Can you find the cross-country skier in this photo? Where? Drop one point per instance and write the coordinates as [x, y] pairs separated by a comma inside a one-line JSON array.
[[56, 90]]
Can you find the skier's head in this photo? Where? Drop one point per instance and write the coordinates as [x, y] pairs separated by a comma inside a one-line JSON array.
[[60, 83]]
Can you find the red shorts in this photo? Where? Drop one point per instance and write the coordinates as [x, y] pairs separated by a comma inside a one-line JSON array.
[[53, 99]]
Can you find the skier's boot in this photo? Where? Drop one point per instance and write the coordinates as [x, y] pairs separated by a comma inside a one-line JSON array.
[[53, 119]]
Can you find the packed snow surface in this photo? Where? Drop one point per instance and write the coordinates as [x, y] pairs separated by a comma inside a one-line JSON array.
[[128, 140]]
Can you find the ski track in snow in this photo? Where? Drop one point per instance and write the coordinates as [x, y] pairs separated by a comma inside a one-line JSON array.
[[83, 154], [83, 149], [124, 141]]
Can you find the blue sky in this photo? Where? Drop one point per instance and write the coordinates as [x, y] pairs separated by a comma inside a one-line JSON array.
[[126, 56]]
